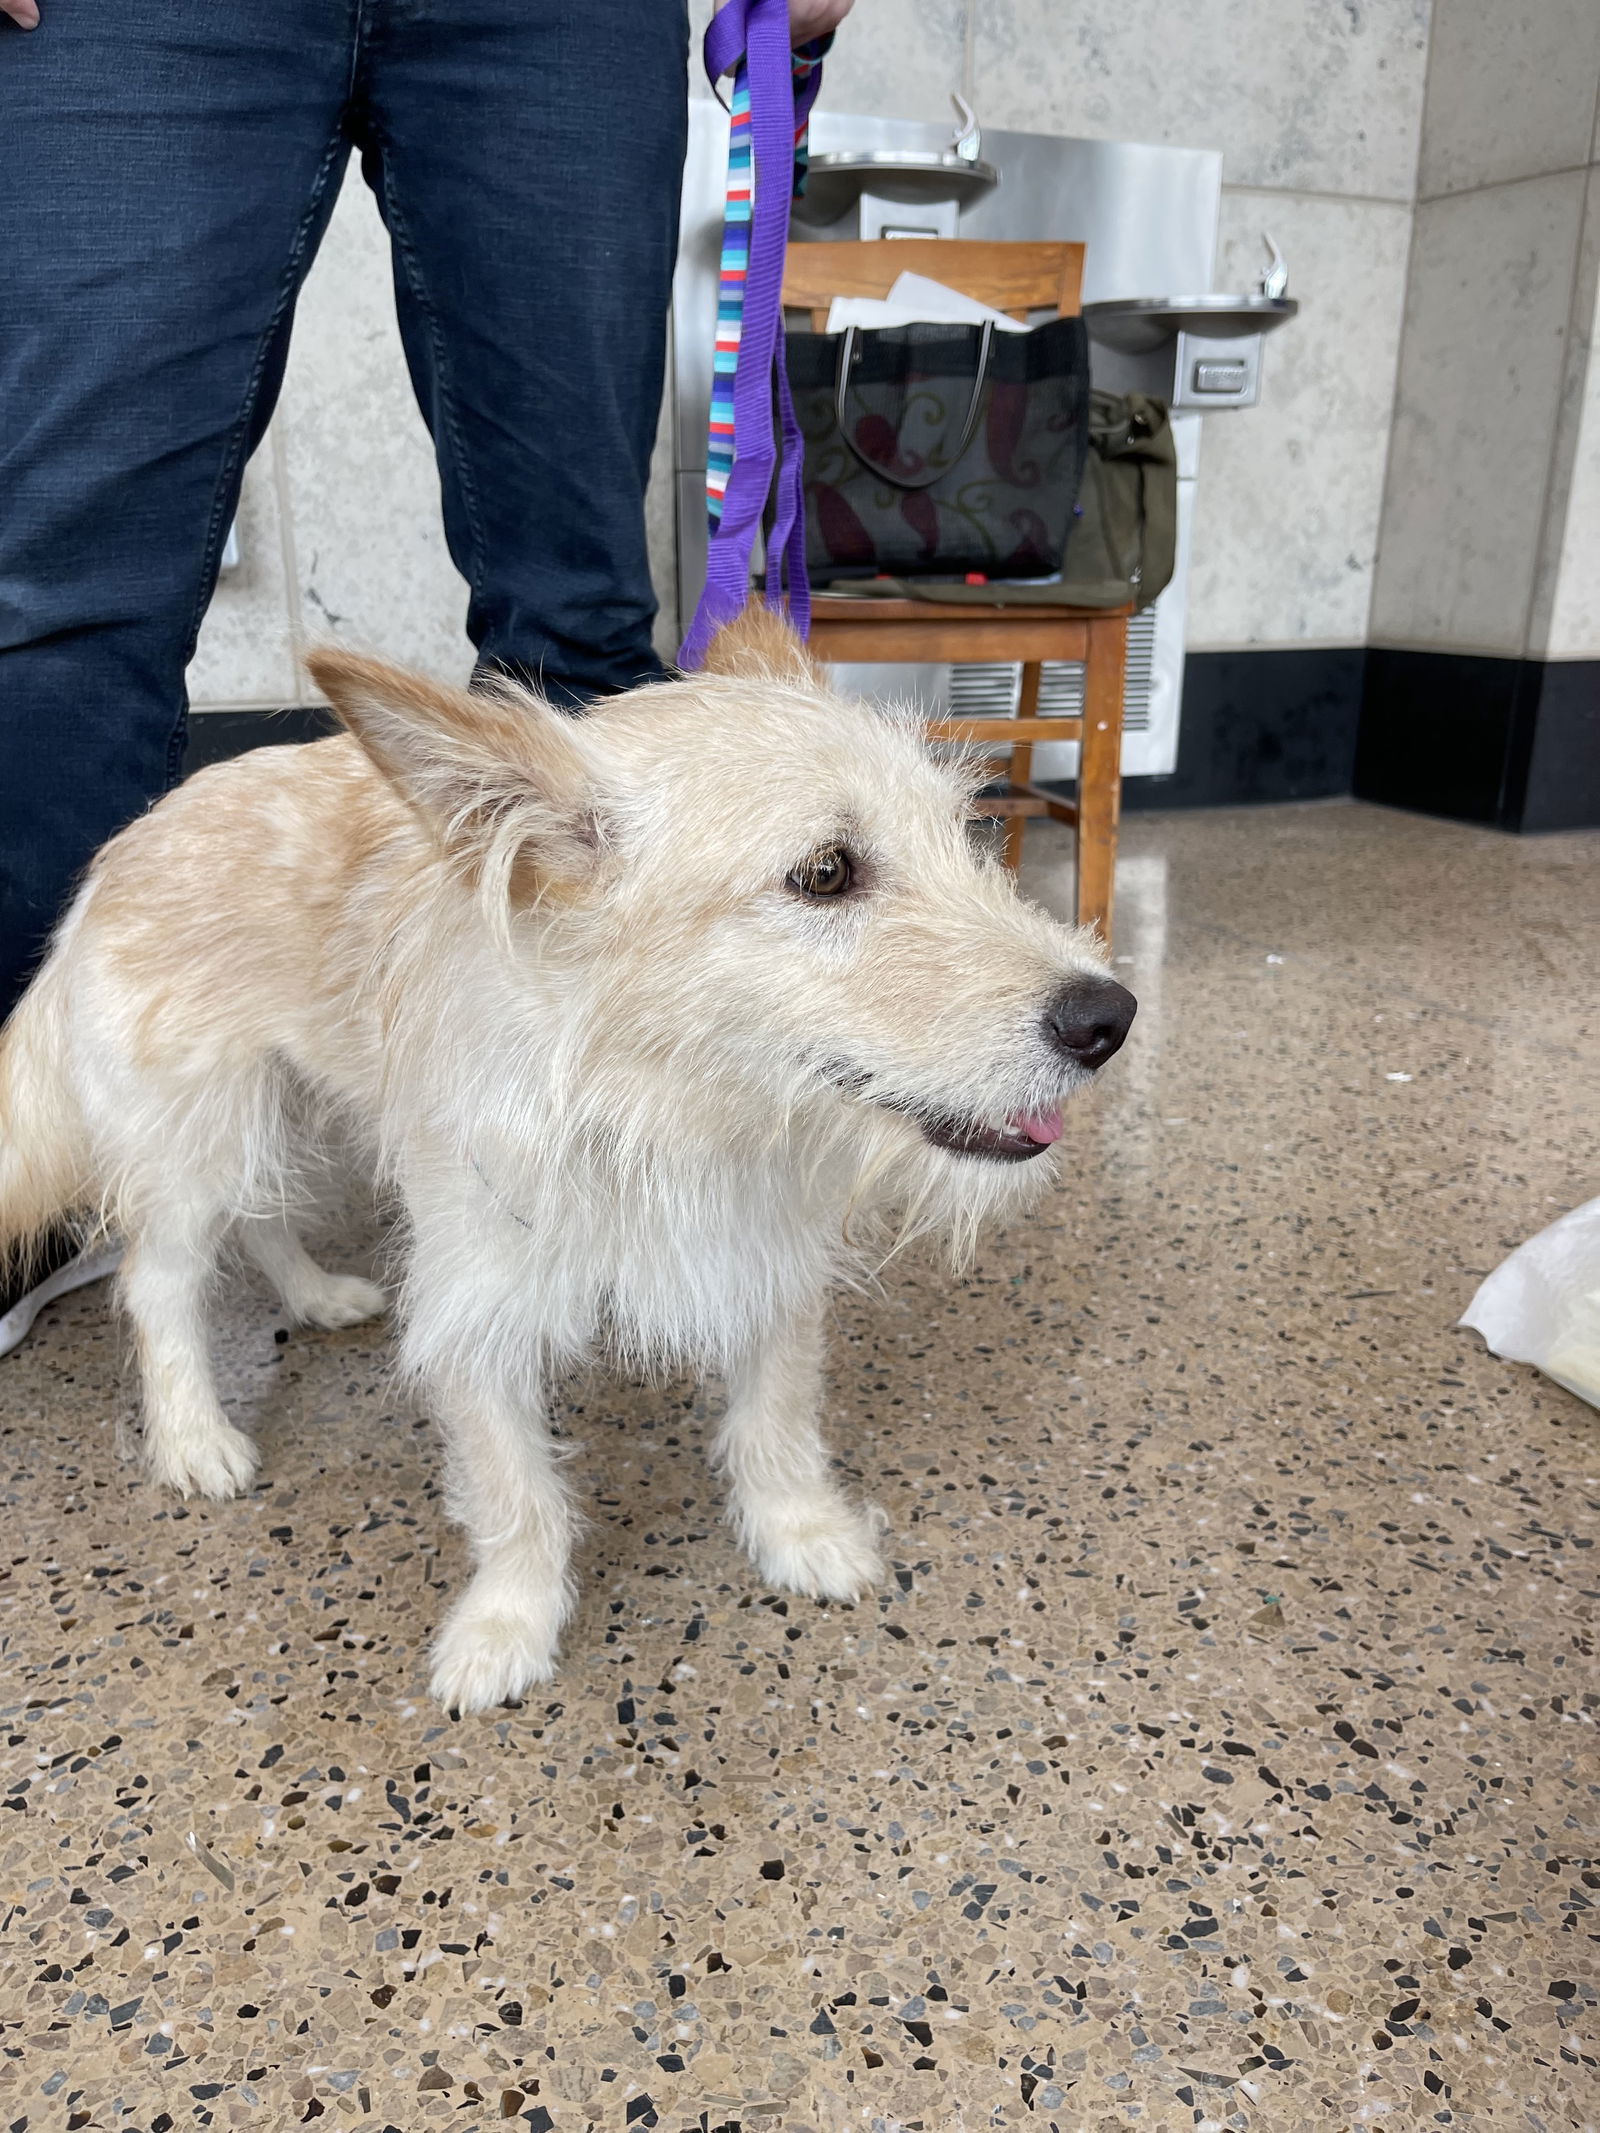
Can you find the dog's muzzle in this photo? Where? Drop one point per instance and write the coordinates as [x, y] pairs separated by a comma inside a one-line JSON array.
[[1085, 1023]]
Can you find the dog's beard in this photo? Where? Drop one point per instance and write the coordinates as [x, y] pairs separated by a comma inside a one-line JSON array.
[[842, 1148], [716, 1174], [920, 1164]]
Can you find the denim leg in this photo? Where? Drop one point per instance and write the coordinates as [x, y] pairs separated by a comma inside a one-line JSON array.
[[171, 164], [527, 160]]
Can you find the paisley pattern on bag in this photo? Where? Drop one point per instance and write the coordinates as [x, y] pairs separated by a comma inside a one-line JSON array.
[[1004, 507]]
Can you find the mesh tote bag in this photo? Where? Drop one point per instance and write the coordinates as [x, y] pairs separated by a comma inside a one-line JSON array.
[[941, 450]]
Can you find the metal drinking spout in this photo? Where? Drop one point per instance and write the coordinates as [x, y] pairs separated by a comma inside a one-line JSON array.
[[968, 141], [1275, 280]]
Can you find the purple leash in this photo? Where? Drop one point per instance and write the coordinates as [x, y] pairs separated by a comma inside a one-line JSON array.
[[753, 36]]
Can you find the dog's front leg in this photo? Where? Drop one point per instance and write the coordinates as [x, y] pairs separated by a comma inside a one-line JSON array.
[[507, 1489], [799, 1528]]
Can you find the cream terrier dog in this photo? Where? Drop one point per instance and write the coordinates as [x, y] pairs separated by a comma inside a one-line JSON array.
[[655, 1020]]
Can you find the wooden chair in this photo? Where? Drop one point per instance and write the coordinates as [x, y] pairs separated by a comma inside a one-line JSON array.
[[1019, 279]]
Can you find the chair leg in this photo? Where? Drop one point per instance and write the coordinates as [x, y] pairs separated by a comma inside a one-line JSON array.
[[1100, 771], [1022, 759]]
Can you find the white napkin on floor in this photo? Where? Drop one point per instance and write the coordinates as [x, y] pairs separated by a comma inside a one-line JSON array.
[[914, 300], [1542, 1305]]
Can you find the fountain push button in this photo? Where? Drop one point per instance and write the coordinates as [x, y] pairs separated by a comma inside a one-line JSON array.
[[1228, 378]]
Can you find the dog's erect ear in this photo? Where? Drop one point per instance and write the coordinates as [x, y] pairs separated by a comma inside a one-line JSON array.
[[762, 644], [497, 774]]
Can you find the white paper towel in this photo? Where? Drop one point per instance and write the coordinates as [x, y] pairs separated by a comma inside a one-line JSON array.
[[1542, 1305], [915, 300]]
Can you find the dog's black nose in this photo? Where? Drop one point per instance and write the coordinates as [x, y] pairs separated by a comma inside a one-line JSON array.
[[1088, 1019]]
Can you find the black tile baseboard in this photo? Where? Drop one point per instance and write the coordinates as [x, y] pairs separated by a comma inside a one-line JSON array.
[[1435, 733], [1559, 772], [1276, 724], [216, 736], [1257, 727], [1510, 742]]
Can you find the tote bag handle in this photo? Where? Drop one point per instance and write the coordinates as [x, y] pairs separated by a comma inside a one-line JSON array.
[[841, 397]]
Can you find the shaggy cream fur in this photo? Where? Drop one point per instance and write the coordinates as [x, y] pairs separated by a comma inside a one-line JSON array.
[[646, 1079]]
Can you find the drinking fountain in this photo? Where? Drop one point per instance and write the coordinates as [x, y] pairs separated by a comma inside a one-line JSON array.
[[1148, 218], [1201, 352]]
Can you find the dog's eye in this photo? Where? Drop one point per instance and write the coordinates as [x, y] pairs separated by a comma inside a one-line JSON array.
[[826, 873]]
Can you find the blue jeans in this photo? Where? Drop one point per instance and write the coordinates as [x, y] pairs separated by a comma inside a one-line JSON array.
[[170, 169]]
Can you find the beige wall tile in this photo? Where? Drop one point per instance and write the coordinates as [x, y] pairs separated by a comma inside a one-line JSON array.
[[245, 654], [1291, 491], [1567, 618], [901, 59], [661, 528], [892, 59], [1511, 90], [1480, 384], [1322, 97], [363, 487]]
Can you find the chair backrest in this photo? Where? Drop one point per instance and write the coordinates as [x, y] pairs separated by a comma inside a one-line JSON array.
[[1013, 277]]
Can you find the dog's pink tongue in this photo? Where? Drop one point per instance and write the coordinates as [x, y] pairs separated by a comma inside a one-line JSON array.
[[1041, 1126]]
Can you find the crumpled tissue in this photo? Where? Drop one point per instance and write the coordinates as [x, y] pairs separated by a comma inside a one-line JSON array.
[[1542, 1305]]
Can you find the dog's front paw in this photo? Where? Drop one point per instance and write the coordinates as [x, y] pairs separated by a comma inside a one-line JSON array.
[[827, 1550], [342, 1300], [218, 1461], [492, 1651]]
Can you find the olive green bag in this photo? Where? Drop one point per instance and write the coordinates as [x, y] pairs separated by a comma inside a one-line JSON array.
[[1124, 543], [1123, 546]]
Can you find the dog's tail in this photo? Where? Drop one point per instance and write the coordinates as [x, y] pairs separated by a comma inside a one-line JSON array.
[[45, 1156]]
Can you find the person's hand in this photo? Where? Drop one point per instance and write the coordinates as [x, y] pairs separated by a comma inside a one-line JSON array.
[[26, 15], [807, 18]]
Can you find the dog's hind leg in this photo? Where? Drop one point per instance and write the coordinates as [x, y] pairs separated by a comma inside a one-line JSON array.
[[800, 1529], [309, 1292], [189, 1442]]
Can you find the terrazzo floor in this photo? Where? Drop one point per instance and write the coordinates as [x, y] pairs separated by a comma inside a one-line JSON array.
[[1220, 1753]]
